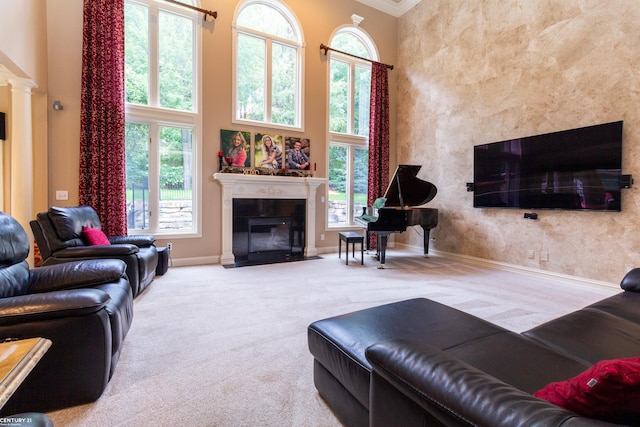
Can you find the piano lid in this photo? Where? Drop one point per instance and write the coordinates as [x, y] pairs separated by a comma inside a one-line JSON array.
[[405, 189]]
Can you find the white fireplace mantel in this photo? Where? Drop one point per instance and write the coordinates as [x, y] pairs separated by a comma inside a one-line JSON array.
[[240, 186]]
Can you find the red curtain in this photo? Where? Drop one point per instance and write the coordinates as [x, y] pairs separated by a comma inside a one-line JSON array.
[[378, 135], [102, 145]]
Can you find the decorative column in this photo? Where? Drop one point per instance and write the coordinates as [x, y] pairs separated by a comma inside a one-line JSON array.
[[21, 152]]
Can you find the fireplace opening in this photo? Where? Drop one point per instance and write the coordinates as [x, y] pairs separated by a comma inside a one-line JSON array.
[[269, 238], [268, 230]]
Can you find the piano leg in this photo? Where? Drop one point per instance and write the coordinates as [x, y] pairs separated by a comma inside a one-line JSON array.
[[426, 234], [382, 248]]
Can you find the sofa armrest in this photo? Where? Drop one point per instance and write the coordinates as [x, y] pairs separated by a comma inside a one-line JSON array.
[[631, 281], [436, 386], [51, 305], [141, 240], [76, 274], [118, 250]]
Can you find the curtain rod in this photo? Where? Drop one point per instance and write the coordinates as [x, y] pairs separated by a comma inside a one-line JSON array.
[[204, 11], [326, 48]]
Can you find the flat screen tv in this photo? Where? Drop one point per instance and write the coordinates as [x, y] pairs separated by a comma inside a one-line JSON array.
[[577, 169]]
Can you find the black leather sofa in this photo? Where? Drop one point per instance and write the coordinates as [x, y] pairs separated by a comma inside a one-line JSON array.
[[58, 233], [421, 363], [84, 307]]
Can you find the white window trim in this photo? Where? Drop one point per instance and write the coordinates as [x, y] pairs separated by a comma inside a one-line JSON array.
[[301, 49], [348, 140], [146, 114]]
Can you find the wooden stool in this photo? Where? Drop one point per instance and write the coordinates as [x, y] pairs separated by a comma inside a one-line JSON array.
[[353, 238]]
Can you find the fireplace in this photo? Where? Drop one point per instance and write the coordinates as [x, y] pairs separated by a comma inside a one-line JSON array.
[[262, 193], [268, 230]]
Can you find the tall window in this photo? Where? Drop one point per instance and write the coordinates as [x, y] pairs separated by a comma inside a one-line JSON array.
[[268, 64], [161, 64], [349, 94]]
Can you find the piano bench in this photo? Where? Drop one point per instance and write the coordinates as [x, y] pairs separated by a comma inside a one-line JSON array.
[[353, 238]]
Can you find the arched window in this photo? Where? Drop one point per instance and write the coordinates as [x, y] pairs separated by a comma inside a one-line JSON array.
[[349, 96], [162, 117], [268, 58]]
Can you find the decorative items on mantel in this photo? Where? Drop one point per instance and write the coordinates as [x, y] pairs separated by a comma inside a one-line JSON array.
[[254, 186], [268, 171]]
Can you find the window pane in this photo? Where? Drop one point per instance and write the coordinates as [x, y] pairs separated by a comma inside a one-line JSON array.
[[361, 102], [348, 42], [338, 161], [360, 180], [176, 62], [251, 77], [136, 57], [338, 101], [137, 157], [284, 65], [176, 179], [266, 19]]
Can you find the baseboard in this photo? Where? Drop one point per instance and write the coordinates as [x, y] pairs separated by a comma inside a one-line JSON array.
[[185, 262], [580, 281]]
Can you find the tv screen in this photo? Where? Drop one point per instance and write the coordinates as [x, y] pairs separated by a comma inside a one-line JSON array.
[[577, 169]]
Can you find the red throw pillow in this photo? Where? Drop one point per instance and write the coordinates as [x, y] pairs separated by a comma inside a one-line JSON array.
[[609, 390], [94, 236]]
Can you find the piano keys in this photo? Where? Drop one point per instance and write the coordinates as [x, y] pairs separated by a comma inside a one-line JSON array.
[[404, 196]]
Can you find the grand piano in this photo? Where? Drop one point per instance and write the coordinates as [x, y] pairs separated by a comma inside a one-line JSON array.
[[405, 195]]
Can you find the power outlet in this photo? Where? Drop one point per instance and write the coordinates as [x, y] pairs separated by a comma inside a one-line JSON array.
[[322, 237], [531, 254], [169, 246]]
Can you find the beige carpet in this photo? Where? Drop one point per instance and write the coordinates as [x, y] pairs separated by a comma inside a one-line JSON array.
[[211, 346]]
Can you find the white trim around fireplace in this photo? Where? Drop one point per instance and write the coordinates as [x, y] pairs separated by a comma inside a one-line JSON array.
[[240, 186]]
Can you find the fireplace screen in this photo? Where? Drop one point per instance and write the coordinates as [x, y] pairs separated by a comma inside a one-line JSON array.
[[269, 237], [268, 230]]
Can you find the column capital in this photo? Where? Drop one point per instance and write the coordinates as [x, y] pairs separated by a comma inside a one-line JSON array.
[[20, 84]]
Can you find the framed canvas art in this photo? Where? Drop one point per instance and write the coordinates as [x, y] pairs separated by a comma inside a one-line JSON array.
[[268, 151], [298, 153], [236, 148]]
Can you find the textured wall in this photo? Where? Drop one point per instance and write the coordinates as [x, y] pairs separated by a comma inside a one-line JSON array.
[[472, 72]]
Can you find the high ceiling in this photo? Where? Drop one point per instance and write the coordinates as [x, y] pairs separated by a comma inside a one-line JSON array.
[[392, 7]]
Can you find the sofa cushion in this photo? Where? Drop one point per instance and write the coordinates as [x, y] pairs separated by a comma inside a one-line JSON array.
[[590, 334], [623, 304], [68, 221], [609, 390], [14, 246], [504, 355], [94, 236]]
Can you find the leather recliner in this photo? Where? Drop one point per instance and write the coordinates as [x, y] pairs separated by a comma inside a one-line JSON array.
[[84, 307], [58, 233]]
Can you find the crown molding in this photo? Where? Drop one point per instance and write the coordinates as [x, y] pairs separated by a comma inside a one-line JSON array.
[[394, 8]]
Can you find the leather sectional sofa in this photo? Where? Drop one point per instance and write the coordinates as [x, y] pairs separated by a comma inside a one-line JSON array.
[[59, 235], [421, 363], [85, 308]]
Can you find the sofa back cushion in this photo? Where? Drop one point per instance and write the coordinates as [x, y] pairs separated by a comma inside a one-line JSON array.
[[14, 243], [14, 248], [67, 223]]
